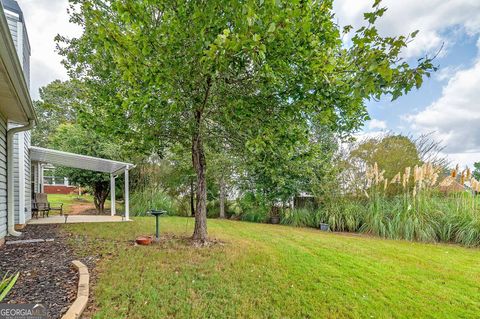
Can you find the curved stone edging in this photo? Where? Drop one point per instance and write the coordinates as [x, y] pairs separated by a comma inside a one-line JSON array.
[[79, 305]]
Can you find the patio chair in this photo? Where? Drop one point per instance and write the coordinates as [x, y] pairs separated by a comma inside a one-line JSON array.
[[41, 205]]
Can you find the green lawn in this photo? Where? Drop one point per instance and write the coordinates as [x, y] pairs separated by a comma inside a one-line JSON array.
[[72, 199], [269, 271], [67, 200]]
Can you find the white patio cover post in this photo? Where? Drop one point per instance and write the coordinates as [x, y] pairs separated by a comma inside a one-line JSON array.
[[127, 208], [40, 178], [112, 195]]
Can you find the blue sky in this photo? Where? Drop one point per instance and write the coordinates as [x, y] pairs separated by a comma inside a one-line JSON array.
[[462, 54], [448, 104]]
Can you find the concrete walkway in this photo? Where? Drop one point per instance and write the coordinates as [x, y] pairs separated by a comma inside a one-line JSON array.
[[71, 219]]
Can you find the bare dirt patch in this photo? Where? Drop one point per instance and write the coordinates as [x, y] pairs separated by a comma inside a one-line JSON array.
[[85, 208]]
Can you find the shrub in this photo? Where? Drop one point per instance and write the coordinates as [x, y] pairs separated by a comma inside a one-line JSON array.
[[301, 217], [343, 215], [251, 207], [151, 198]]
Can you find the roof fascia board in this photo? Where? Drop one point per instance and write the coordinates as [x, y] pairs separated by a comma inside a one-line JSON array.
[[12, 64]]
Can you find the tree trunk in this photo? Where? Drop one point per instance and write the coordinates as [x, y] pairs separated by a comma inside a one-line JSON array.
[[199, 164], [192, 198], [222, 197], [95, 202], [101, 211], [100, 194]]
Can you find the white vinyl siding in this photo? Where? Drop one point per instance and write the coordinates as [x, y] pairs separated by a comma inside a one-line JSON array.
[[21, 189], [21, 42], [16, 180], [12, 25], [3, 177], [21, 141], [28, 177]]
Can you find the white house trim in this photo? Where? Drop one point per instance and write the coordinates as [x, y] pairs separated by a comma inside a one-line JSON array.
[[113, 209], [10, 177], [21, 178]]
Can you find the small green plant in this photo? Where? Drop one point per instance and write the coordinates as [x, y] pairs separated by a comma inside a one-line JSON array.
[[300, 217], [343, 214], [151, 198], [252, 208], [6, 284]]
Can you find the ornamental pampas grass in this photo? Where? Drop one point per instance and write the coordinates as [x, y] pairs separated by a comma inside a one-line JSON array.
[[396, 178], [407, 172], [406, 176], [475, 185], [415, 173], [447, 182], [454, 172]]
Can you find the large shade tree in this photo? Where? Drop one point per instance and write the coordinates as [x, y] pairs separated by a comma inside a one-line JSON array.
[[191, 72], [392, 153], [57, 105], [74, 138]]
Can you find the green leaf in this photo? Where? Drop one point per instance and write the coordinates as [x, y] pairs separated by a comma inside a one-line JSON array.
[[7, 284], [272, 27]]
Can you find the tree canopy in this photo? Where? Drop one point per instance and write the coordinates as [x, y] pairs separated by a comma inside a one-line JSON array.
[[252, 74], [57, 105], [391, 153], [476, 170], [75, 139]]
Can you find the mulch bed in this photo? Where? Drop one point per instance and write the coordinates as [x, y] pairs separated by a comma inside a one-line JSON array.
[[46, 272]]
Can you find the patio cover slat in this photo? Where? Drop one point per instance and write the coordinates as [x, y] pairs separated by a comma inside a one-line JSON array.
[[60, 158]]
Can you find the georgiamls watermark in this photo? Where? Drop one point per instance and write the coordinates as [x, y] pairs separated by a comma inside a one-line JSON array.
[[23, 311]]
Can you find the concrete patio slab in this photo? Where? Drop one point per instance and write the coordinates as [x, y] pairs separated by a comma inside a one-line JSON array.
[[72, 219]]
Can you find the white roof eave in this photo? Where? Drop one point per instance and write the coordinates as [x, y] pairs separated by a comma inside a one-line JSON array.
[[60, 158], [21, 110]]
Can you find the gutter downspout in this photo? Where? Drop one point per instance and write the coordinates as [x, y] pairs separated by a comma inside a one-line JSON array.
[[10, 180]]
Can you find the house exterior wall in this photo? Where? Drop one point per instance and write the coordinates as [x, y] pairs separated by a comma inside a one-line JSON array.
[[28, 176], [21, 177], [3, 177], [18, 30], [21, 152]]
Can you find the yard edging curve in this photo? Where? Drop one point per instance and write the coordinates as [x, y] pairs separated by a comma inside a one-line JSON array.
[[79, 305]]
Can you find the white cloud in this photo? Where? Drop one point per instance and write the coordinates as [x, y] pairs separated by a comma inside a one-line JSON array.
[[446, 73], [375, 124], [45, 19], [455, 116], [431, 17], [463, 159]]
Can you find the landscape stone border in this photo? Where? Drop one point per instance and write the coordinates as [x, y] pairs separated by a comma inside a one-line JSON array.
[[79, 305], [28, 241]]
